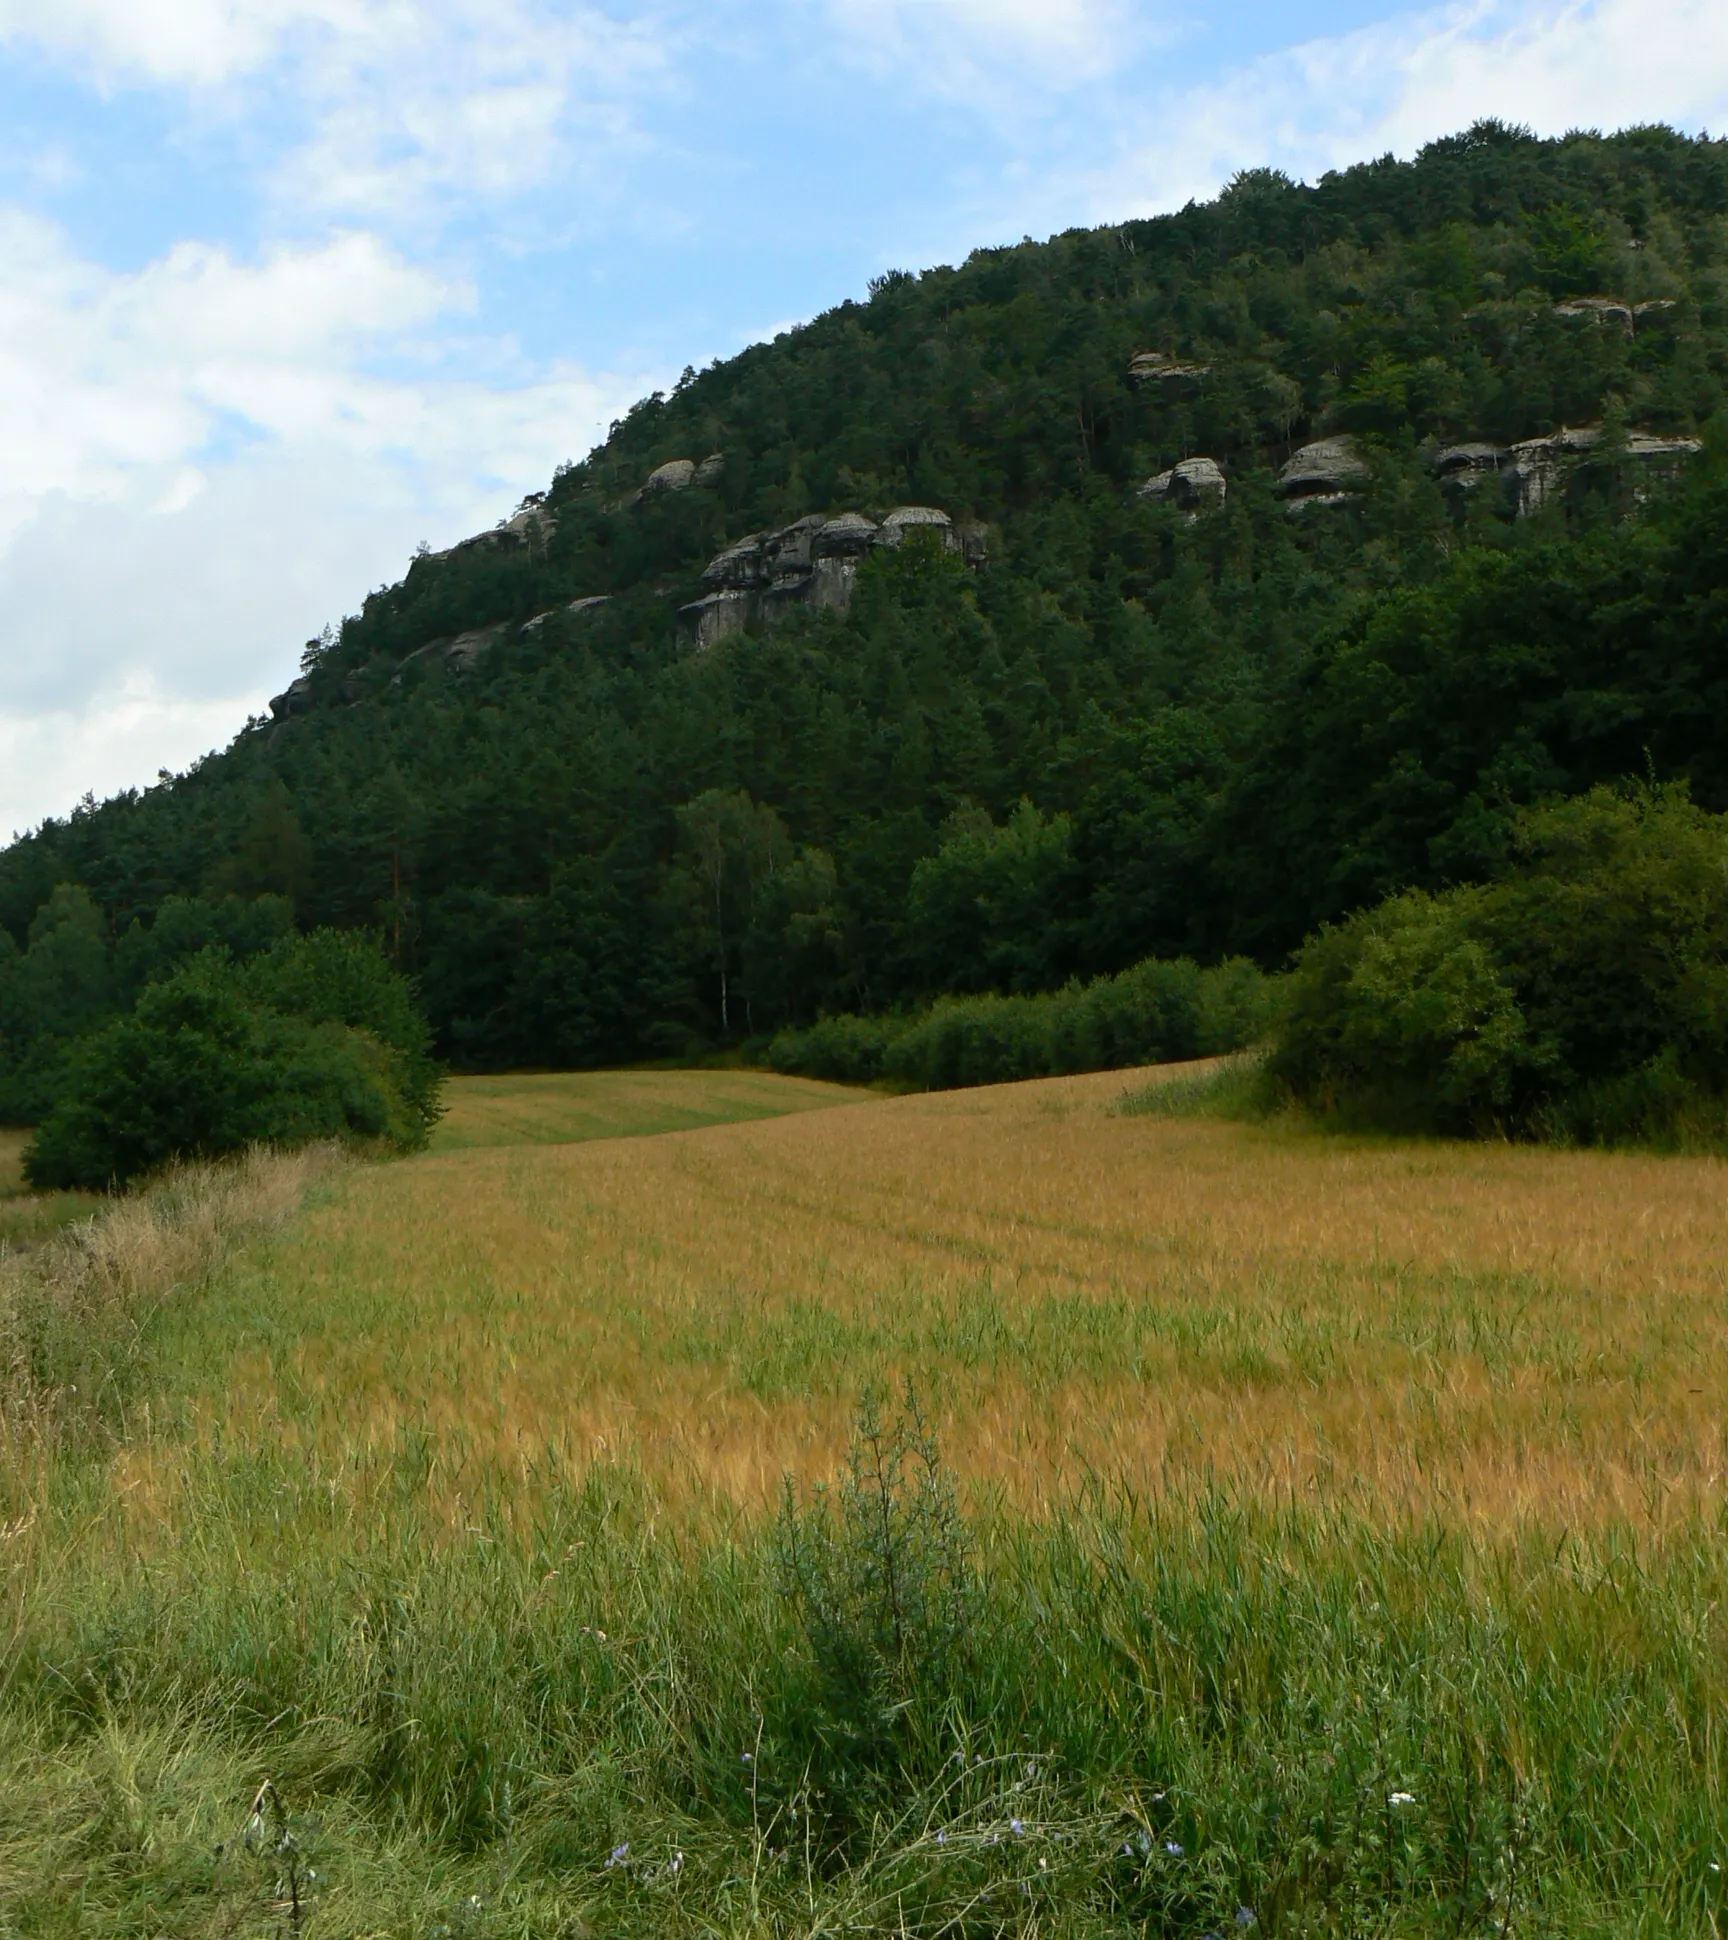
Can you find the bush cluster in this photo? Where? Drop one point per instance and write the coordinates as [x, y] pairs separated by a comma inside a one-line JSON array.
[[315, 1037], [1155, 1013], [1581, 997]]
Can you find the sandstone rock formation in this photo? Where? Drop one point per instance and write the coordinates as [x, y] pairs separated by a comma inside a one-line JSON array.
[[680, 474], [576, 608], [295, 698], [1461, 468], [531, 526], [811, 563], [460, 655], [1611, 310], [1154, 367], [1194, 486], [1327, 472], [1599, 309], [676, 475], [1536, 468]]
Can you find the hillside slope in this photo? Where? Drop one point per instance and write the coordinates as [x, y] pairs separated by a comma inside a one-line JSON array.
[[1168, 587]]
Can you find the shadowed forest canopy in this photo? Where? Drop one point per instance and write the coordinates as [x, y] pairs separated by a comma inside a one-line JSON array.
[[1112, 725]]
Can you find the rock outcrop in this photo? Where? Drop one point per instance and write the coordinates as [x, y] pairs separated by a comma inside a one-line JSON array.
[[1154, 367], [1328, 472], [680, 474], [531, 526], [1599, 309], [1461, 468], [1626, 317], [578, 609], [1194, 486], [458, 655], [676, 475], [1537, 468], [811, 563], [295, 698]]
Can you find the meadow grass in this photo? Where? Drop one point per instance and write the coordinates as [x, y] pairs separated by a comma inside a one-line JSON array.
[[26, 1217], [1340, 1543]]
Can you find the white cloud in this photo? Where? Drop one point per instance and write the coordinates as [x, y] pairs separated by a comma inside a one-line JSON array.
[[471, 100], [201, 467], [386, 106], [995, 54], [197, 42], [1550, 64]]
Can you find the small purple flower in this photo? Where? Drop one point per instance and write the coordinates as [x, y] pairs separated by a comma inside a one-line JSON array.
[[618, 1856], [1244, 1916], [1171, 1847], [1017, 1827]]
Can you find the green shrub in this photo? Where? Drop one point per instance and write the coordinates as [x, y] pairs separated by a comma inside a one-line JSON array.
[[844, 1050], [201, 1067], [1155, 1013], [343, 977], [1583, 996]]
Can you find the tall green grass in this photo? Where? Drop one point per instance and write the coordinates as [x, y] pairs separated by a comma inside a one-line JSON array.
[[1156, 1013], [1150, 1717]]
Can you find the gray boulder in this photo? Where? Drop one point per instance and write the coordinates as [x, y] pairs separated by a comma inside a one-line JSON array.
[[1154, 367], [531, 525], [577, 609], [914, 518], [849, 536], [1195, 485], [1461, 468], [459, 655], [676, 475], [1599, 309], [740, 564], [711, 470], [295, 698], [1326, 472], [788, 553]]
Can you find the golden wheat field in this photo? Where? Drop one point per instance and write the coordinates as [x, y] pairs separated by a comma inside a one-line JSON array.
[[1491, 1333]]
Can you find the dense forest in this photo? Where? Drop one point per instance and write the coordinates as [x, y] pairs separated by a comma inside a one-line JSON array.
[[1461, 546]]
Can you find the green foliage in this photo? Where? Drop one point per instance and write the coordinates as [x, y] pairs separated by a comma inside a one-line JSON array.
[[984, 912], [1155, 1013], [59, 985], [74, 973], [342, 977], [1584, 995], [1132, 734], [293, 1047]]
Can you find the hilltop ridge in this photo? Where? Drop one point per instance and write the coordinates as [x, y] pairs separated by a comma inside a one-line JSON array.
[[1166, 587]]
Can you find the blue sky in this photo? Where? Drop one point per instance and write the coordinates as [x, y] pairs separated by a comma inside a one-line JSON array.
[[289, 285]]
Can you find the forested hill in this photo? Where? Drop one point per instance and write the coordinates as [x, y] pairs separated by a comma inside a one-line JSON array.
[[1429, 534]]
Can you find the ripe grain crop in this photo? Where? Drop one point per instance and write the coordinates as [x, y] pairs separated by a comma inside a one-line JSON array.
[[1340, 1549], [1491, 1333]]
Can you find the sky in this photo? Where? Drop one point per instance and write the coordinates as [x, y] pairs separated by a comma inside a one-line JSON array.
[[289, 286]]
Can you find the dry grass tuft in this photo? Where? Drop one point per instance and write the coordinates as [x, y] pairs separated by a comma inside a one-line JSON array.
[[73, 1309]]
